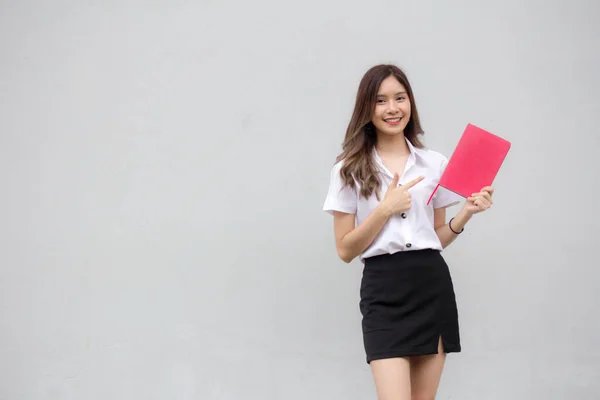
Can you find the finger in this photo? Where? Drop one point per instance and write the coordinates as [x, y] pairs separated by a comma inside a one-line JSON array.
[[483, 195], [413, 182], [488, 189], [484, 202]]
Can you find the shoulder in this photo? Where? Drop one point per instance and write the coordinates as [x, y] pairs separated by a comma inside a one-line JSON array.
[[336, 170], [334, 173], [337, 166], [341, 178]]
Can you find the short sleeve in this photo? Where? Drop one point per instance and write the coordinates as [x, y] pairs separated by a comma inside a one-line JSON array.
[[340, 197], [443, 197]]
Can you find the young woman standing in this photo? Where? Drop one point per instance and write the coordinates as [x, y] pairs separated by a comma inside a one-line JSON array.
[[378, 195]]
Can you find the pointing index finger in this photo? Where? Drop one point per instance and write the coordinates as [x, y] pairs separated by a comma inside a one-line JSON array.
[[413, 182]]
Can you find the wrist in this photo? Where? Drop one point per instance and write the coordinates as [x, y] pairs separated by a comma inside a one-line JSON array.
[[461, 219], [384, 209], [465, 213]]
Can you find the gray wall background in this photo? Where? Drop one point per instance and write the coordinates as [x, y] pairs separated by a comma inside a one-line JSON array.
[[164, 164]]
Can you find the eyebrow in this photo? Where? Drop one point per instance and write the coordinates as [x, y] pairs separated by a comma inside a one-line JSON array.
[[383, 95]]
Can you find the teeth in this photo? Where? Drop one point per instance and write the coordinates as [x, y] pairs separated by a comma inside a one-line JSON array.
[[393, 120]]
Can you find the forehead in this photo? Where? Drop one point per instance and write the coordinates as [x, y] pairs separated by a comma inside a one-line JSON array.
[[390, 87]]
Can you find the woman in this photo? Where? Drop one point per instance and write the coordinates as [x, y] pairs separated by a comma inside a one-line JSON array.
[[378, 194]]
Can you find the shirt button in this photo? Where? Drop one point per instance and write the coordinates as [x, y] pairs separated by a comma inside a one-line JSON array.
[[408, 245], [403, 215]]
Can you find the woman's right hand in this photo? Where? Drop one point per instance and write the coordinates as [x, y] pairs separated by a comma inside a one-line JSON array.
[[397, 199]]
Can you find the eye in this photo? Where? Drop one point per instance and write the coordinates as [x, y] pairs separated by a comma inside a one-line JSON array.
[[401, 98]]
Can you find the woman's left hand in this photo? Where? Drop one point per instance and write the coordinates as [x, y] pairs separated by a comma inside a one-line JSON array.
[[479, 202]]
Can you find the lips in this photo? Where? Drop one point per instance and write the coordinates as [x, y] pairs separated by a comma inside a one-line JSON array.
[[393, 121]]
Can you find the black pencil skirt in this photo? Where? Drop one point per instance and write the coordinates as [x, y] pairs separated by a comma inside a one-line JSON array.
[[408, 304]]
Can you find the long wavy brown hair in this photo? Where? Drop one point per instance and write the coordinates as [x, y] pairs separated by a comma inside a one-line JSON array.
[[361, 138]]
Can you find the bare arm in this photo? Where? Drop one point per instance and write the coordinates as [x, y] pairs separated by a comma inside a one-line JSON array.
[[476, 203], [351, 241], [442, 229]]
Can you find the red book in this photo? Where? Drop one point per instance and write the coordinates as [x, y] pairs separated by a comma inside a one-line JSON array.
[[475, 162]]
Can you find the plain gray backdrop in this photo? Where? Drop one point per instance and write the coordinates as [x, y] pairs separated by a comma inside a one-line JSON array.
[[164, 164]]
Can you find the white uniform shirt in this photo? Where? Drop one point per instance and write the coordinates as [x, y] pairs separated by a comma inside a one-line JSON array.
[[411, 230]]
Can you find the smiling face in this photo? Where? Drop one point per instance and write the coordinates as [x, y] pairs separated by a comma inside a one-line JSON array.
[[392, 108]]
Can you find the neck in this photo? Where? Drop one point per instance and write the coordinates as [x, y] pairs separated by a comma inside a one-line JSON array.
[[395, 144]]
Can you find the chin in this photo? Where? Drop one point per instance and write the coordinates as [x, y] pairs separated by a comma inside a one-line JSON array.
[[394, 132]]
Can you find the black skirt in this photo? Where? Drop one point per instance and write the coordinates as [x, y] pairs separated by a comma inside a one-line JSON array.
[[407, 302]]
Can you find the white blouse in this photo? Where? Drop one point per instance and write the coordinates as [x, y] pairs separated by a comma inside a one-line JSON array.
[[412, 230]]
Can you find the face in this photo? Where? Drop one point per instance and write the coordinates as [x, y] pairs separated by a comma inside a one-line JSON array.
[[392, 108]]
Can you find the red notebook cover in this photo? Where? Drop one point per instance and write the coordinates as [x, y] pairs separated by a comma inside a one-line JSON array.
[[475, 162]]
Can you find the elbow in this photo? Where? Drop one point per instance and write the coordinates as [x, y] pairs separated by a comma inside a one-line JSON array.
[[344, 255], [443, 242], [347, 260]]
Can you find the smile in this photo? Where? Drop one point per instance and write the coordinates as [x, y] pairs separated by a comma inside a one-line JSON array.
[[393, 121]]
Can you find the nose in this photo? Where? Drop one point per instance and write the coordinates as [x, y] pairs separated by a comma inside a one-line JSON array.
[[392, 107]]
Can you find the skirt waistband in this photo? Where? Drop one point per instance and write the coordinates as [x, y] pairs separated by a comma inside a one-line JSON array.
[[404, 257]]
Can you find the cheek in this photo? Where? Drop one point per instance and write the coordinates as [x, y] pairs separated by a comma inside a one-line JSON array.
[[406, 109], [377, 113], [376, 118]]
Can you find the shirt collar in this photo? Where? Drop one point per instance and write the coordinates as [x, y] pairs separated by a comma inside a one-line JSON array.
[[412, 158]]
